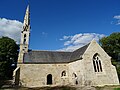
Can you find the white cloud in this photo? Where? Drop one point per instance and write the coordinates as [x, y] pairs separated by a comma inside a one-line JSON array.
[[76, 41], [65, 37], [118, 19], [10, 28]]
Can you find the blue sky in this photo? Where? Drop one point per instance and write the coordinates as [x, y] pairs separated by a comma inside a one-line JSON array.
[[60, 24]]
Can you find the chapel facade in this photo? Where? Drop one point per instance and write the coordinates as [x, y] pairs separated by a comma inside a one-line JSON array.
[[88, 65]]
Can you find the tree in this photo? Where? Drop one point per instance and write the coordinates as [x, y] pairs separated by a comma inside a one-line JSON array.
[[111, 44], [8, 56]]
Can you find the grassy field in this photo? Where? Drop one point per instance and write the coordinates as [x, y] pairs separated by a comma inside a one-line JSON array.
[[65, 88], [108, 88]]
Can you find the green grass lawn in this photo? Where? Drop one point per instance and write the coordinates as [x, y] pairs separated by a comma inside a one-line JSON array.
[[116, 88]]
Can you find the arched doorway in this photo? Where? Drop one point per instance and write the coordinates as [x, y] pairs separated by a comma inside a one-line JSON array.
[[49, 79]]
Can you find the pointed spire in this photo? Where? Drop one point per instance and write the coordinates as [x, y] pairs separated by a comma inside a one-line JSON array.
[[25, 34], [28, 7], [27, 16]]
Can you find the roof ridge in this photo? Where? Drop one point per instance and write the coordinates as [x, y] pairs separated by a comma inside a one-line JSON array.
[[51, 51], [81, 47]]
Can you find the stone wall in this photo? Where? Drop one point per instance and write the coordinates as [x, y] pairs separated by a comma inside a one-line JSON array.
[[108, 76], [76, 72], [35, 75]]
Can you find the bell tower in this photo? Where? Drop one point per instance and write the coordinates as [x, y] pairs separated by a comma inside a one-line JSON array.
[[25, 34]]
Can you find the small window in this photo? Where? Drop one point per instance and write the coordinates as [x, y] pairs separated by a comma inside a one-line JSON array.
[[49, 79], [63, 73], [75, 78]]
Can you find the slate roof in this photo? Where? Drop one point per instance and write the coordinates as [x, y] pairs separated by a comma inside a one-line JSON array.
[[77, 54], [47, 57], [54, 56]]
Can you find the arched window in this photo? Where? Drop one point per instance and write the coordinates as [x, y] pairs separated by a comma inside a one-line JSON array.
[[63, 73], [97, 63], [49, 79], [75, 78]]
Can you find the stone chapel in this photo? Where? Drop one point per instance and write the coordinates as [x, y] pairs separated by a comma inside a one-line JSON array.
[[88, 65]]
